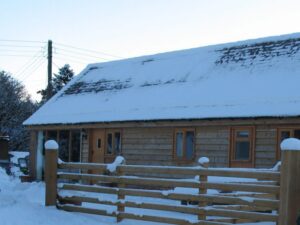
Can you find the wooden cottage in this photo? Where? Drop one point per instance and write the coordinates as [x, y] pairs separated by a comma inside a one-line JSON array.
[[233, 103]]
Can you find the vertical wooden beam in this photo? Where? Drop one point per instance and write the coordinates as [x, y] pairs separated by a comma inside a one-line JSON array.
[[203, 162], [289, 212], [51, 155], [32, 155]]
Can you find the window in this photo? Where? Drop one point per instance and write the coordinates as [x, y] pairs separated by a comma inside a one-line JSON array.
[[113, 142], [242, 151], [69, 143], [184, 144], [284, 133]]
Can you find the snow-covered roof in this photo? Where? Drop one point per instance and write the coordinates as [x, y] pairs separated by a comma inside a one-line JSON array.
[[254, 78]]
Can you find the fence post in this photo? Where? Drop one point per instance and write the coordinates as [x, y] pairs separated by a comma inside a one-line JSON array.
[[121, 195], [203, 162], [51, 154], [289, 210]]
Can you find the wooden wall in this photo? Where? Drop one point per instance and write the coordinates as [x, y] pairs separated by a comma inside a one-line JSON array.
[[266, 146], [154, 146], [148, 146], [213, 142]]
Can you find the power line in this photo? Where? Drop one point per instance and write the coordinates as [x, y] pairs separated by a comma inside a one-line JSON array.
[[15, 50], [81, 53], [31, 61], [30, 68], [26, 41], [76, 57], [21, 46], [9, 55], [72, 60], [30, 73], [87, 50]]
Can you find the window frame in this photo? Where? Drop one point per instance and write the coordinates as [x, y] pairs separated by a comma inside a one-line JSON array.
[[279, 130], [250, 162], [112, 131], [184, 157], [57, 139]]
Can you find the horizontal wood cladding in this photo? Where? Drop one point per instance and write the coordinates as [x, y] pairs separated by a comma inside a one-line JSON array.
[[266, 145], [213, 142], [149, 146]]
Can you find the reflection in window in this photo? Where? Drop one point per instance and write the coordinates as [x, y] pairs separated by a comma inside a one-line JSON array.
[[179, 143], [109, 144], [113, 143], [75, 146], [69, 143], [63, 143], [189, 144], [117, 143], [242, 145], [242, 150], [184, 144]]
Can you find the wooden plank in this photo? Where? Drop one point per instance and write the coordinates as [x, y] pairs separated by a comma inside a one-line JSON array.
[[160, 219], [242, 187], [87, 166], [158, 182], [242, 215], [267, 174], [73, 208], [268, 203]]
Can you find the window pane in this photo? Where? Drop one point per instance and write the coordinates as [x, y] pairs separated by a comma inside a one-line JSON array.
[[243, 134], [297, 134], [64, 145], [52, 135], [117, 143], [189, 144], [284, 135], [75, 146], [242, 150], [179, 143], [109, 144]]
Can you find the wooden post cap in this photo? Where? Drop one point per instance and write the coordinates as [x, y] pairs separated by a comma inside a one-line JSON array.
[[203, 161], [51, 145]]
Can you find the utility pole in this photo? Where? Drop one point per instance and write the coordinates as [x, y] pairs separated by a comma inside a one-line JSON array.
[[49, 87]]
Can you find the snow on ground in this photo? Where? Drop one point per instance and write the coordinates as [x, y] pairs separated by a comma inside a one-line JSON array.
[[23, 204], [17, 155]]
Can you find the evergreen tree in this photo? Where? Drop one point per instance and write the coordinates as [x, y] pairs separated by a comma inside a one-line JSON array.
[[64, 75], [15, 107]]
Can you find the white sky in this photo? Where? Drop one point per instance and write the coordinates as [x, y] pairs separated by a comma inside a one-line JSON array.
[[129, 28]]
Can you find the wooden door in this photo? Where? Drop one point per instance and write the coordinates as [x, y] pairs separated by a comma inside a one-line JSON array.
[[98, 144]]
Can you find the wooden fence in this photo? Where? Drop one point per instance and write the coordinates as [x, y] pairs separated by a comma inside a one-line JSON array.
[[230, 202]]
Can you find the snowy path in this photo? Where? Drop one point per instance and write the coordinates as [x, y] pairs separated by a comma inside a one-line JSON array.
[[23, 204]]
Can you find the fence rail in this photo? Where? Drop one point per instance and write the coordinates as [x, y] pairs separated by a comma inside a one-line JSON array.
[[96, 189]]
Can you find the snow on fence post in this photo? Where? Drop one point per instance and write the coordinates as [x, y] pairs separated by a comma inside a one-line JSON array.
[[203, 162], [289, 210], [51, 156], [121, 196]]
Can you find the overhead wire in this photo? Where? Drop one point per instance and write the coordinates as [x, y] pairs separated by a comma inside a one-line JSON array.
[[25, 41], [30, 62], [88, 50], [30, 73], [85, 55]]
